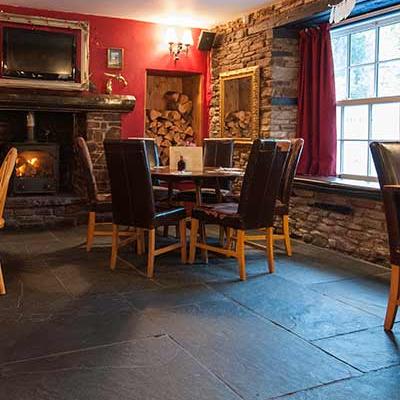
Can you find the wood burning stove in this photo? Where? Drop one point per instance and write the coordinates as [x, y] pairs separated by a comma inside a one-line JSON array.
[[37, 166], [36, 170]]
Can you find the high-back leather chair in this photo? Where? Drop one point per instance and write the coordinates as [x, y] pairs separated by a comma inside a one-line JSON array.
[[256, 206], [216, 153], [6, 171], [284, 195], [386, 157], [98, 203], [133, 203]]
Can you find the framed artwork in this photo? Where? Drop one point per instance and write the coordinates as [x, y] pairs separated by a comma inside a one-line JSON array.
[[115, 58]]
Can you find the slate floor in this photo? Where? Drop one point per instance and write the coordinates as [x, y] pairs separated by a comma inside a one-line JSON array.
[[72, 329]]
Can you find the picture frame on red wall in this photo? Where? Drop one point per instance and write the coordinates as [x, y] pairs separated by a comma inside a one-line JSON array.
[[115, 58]]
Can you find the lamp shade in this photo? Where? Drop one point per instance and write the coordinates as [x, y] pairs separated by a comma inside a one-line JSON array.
[[171, 36], [187, 38]]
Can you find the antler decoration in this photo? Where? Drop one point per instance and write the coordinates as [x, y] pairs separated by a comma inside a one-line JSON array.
[[341, 11], [118, 77]]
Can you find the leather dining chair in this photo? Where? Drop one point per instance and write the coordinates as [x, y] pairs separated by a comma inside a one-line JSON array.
[[217, 153], [6, 171], [283, 201], [133, 203], [256, 207], [98, 203], [386, 157]]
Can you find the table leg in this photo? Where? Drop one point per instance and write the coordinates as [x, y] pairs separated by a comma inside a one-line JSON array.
[[202, 227]]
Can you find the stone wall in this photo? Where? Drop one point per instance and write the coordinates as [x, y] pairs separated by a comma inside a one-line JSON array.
[[259, 39], [101, 126], [351, 225]]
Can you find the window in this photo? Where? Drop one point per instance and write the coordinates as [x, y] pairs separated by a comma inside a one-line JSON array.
[[367, 77]]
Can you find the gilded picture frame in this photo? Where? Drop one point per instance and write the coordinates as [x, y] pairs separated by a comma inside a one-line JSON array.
[[225, 80]]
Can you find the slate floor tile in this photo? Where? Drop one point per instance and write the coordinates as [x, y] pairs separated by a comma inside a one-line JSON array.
[[378, 385], [367, 293], [366, 350], [153, 368], [297, 308], [172, 297], [26, 338], [253, 356]]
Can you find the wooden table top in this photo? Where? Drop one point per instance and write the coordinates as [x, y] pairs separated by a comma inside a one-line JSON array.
[[166, 172]]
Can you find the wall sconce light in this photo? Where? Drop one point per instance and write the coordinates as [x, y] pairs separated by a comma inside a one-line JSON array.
[[177, 46]]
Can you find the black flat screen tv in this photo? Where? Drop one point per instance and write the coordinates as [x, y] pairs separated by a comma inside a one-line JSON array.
[[39, 54]]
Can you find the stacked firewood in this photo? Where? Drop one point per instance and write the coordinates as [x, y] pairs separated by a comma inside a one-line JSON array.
[[237, 124], [172, 127]]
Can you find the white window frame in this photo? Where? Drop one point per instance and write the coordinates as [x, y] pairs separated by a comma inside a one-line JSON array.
[[374, 23]]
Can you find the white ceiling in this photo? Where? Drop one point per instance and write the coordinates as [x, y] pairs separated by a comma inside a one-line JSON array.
[[193, 13]]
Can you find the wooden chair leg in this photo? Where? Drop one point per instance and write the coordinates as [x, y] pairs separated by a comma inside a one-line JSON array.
[[270, 249], [90, 230], [221, 236], [394, 298], [194, 228], [114, 246], [182, 236], [241, 254], [140, 246], [151, 251], [228, 244], [203, 238], [166, 231], [2, 284], [286, 234]]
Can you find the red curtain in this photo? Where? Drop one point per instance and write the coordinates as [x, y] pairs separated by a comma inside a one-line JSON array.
[[317, 103]]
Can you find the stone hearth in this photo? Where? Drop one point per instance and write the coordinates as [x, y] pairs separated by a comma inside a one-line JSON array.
[[95, 117]]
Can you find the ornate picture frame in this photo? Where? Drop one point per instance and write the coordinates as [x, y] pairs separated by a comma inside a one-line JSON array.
[[115, 58], [252, 114]]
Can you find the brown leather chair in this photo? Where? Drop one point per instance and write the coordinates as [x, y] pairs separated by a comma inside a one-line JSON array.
[[217, 153], [97, 202], [256, 206], [387, 163], [283, 200], [133, 202], [161, 193]]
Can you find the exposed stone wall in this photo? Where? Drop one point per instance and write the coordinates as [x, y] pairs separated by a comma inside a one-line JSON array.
[[44, 211], [351, 225], [258, 40], [101, 126]]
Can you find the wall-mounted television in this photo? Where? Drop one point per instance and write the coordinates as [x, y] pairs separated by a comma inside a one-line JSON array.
[[39, 54]]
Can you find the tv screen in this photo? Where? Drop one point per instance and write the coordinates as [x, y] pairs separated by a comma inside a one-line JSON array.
[[38, 54]]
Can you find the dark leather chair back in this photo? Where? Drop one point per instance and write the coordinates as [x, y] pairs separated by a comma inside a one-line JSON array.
[[386, 158], [296, 148], [85, 161], [153, 156], [218, 153], [262, 181], [130, 179]]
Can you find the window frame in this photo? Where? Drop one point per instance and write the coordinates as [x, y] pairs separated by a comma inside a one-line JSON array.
[[375, 23]]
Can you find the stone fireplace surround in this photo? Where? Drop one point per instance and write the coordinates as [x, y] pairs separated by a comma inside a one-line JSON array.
[[95, 117]]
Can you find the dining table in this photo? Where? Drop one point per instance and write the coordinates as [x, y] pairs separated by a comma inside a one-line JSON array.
[[172, 176]]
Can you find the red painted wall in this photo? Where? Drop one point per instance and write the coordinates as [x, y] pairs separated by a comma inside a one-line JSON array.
[[144, 49]]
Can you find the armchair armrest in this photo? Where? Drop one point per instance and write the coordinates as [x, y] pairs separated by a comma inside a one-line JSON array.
[[394, 188]]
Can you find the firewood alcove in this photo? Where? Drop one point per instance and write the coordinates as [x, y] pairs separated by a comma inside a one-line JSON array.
[[173, 110]]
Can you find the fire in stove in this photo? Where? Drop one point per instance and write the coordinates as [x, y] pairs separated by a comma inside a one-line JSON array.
[[32, 164]]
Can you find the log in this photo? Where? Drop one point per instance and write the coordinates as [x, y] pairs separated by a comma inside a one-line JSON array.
[[185, 108], [154, 114]]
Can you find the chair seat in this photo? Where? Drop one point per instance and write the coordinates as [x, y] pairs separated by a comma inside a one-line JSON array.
[[208, 195], [102, 204], [167, 214], [225, 214], [161, 193]]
